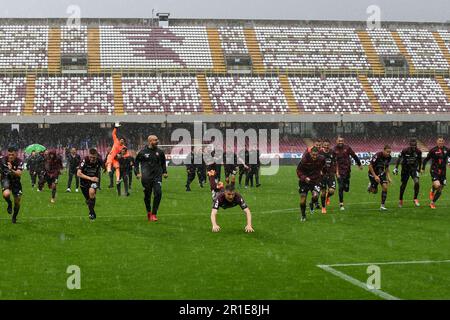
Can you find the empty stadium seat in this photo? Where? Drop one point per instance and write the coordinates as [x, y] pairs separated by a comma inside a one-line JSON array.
[[74, 40], [233, 40]]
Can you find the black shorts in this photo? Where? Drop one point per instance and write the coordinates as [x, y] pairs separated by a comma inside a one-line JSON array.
[[344, 182], [86, 186], [374, 184], [50, 181], [14, 186], [409, 173], [229, 170], [442, 178], [304, 187], [328, 182]]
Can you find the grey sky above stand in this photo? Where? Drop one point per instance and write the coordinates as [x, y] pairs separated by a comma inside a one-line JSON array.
[[391, 10]]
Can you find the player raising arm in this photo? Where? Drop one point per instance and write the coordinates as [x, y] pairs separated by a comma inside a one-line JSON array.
[[226, 199]]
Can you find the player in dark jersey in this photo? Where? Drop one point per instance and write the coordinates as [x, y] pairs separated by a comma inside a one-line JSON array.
[[11, 171], [343, 154], [328, 184], [309, 172], [190, 170], [438, 170], [229, 198], [88, 172], [379, 173], [152, 162], [52, 169], [411, 160], [31, 166], [125, 167], [73, 162]]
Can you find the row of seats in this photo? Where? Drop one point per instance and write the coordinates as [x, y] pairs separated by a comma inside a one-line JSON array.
[[26, 47], [228, 95]]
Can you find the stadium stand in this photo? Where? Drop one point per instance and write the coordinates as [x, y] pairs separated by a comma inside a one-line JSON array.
[[74, 40], [74, 95], [12, 95], [161, 95], [332, 94], [411, 95], [247, 95]]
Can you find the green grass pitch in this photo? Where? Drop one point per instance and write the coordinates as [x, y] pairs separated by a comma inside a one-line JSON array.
[[122, 256]]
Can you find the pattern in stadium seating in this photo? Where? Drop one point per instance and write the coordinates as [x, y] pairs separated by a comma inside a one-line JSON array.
[[23, 47], [410, 95], [233, 40], [445, 35], [162, 48], [375, 144], [383, 42], [331, 95], [248, 95], [75, 95], [73, 39], [311, 48], [423, 49], [12, 95], [161, 95]]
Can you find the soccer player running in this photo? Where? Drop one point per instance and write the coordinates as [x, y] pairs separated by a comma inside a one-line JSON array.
[[411, 160], [52, 169], [88, 171], [438, 170], [309, 172], [379, 174], [150, 167], [11, 171], [226, 198], [344, 165], [73, 162], [328, 184]]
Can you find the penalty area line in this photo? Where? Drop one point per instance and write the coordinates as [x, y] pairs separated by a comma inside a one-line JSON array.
[[346, 277]]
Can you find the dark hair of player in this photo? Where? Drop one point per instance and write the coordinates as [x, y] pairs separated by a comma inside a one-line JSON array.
[[93, 151], [229, 188], [12, 149], [387, 147], [326, 141], [412, 142]]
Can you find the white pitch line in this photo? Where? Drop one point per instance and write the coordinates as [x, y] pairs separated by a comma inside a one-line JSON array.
[[357, 283], [387, 263]]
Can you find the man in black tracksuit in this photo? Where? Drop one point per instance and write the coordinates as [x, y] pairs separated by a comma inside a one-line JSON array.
[[73, 161], [150, 167], [31, 166]]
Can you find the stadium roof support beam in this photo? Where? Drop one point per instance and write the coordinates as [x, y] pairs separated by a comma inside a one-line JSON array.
[[372, 56], [254, 50], [30, 92], [204, 94], [216, 50], [54, 50], [289, 94], [376, 107], [404, 51], [93, 46], [440, 42], [118, 94]]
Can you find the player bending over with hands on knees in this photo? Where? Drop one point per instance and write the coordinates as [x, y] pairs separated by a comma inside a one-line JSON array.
[[229, 198]]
